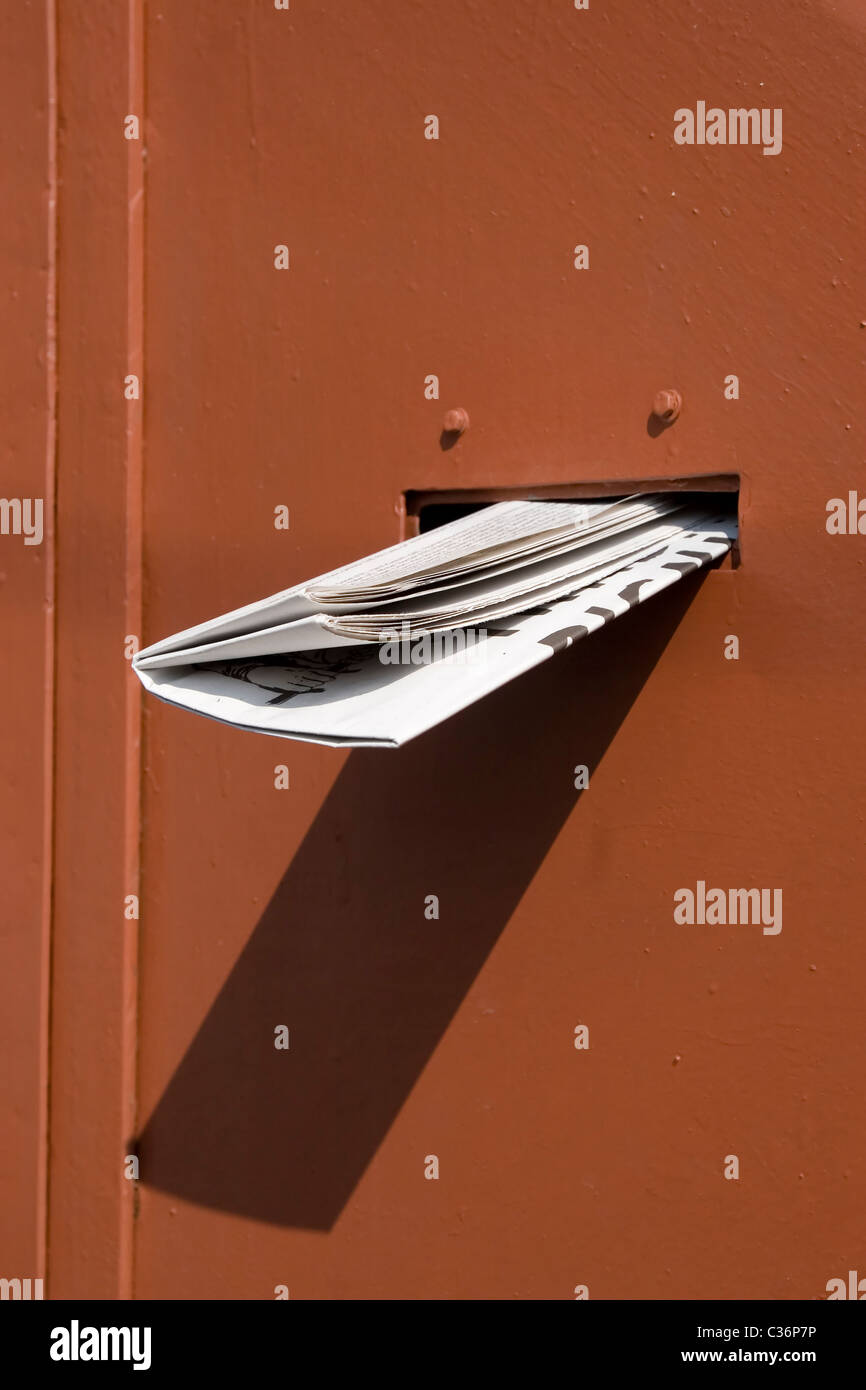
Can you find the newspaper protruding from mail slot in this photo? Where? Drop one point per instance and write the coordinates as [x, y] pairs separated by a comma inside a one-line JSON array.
[[384, 648]]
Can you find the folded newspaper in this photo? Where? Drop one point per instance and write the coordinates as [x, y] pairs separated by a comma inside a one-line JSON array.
[[380, 650]]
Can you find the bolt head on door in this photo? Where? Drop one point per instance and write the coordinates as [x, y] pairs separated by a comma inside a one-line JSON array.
[[455, 422], [667, 405]]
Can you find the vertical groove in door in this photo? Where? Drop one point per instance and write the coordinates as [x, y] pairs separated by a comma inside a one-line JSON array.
[[136, 156], [50, 618]]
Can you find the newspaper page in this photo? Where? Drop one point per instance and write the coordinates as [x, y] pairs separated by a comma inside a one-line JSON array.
[[384, 695], [598, 534]]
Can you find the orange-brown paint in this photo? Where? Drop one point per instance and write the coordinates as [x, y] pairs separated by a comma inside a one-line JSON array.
[[305, 387]]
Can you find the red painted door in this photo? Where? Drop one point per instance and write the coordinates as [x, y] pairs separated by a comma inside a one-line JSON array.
[[196, 908]]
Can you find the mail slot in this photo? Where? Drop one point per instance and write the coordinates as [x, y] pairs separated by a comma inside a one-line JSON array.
[[424, 510]]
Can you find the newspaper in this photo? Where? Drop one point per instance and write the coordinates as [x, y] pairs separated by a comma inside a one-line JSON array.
[[378, 651]]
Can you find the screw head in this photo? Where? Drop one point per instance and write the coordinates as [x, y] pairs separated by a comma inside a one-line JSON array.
[[667, 405], [456, 421]]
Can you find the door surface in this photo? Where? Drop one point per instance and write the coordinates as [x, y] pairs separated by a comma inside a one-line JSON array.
[[169, 908]]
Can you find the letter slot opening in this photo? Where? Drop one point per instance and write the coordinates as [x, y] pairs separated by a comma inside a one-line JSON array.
[[426, 510]]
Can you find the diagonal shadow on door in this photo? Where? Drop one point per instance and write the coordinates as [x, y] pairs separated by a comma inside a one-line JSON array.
[[343, 953]]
